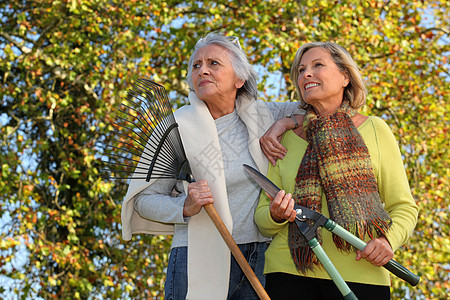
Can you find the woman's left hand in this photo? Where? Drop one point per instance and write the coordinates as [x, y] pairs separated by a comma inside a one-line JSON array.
[[378, 252]]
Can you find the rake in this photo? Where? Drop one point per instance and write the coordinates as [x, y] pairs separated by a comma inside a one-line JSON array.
[[146, 144]]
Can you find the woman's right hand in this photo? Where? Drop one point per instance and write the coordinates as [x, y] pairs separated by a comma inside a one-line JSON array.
[[270, 141], [282, 207], [198, 196]]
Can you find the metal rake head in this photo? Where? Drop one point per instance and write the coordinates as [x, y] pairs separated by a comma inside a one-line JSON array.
[[146, 143]]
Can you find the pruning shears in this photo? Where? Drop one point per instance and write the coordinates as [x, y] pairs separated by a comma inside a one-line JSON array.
[[309, 229]]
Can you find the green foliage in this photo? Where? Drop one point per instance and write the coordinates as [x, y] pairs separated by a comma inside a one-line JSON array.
[[66, 64]]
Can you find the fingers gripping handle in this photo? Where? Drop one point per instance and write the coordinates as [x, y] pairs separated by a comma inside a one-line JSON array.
[[393, 266]]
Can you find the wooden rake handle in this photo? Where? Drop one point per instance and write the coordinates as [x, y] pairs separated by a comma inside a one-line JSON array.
[[248, 271]]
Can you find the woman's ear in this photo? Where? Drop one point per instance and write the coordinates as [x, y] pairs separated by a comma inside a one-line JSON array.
[[346, 80], [239, 83]]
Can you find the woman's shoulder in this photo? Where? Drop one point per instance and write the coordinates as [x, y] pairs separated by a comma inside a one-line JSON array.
[[361, 120], [379, 123], [378, 128], [376, 120]]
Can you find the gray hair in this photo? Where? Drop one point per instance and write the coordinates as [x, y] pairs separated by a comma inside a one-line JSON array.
[[239, 61], [355, 91]]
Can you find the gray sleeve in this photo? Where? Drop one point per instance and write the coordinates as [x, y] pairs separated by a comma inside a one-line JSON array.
[[158, 202], [281, 109]]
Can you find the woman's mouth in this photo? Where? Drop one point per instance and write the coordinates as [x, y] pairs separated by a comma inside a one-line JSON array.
[[310, 85]]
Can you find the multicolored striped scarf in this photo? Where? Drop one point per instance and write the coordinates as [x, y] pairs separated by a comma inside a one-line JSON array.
[[338, 163]]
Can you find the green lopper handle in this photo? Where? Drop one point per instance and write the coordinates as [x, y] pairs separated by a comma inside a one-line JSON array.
[[331, 270], [402, 272], [393, 266]]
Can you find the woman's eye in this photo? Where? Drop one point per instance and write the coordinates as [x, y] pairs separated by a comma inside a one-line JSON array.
[[318, 64], [301, 70], [214, 62], [196, 66]]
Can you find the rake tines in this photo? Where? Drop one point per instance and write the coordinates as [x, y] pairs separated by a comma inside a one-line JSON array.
[[146, 143]]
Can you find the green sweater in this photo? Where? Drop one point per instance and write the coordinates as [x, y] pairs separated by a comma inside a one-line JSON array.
[[394, 191]]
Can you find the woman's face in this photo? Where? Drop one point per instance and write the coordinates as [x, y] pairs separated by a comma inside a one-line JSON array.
[[213, 75], [320, 80]]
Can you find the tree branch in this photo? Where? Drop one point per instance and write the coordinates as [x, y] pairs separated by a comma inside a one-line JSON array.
[[18, 45], [435, 29]]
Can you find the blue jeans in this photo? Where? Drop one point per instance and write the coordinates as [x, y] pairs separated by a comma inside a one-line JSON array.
[[239, 286]]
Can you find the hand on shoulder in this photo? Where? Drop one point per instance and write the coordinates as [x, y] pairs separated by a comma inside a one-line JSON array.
[[299, 131], [270, 141]]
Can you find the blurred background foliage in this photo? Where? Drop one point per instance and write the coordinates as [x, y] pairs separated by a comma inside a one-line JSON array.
[[66, 65]]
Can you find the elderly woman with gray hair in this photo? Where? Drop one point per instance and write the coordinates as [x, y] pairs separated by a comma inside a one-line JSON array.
[[220, 130]]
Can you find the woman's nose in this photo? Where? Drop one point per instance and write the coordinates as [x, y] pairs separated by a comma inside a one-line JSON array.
[[307, 73], [203, 70]]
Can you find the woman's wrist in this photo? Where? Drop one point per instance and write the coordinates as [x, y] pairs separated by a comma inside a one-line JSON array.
[[293, 123]]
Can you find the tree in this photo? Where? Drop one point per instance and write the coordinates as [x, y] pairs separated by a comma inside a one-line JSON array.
[[66, 65]]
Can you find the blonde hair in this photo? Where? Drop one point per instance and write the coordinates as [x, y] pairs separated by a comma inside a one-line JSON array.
[[355, 91]]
